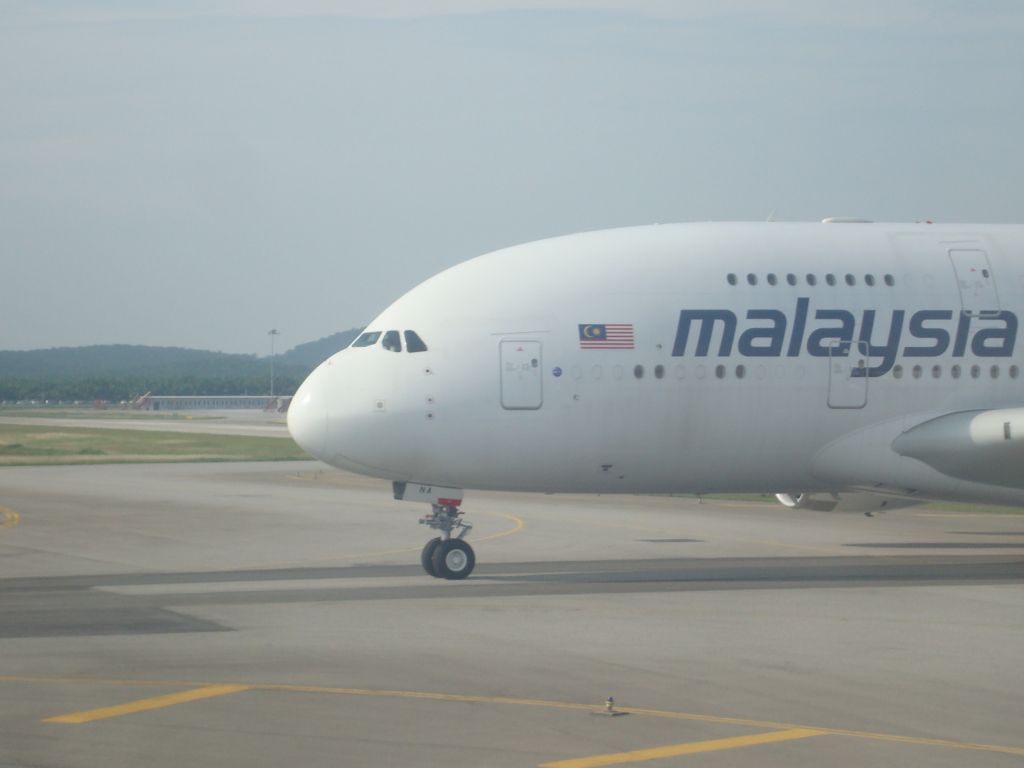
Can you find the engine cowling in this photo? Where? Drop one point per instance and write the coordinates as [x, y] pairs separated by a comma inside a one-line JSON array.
[[846, 501]]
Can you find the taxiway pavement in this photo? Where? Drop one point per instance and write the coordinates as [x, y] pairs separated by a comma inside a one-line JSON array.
[[268, 614]]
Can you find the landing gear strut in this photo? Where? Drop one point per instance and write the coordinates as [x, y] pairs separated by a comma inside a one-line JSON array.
[[447, 556]]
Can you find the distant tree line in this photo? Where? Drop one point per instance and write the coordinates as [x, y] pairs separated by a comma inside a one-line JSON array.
[[118, 388], [123, 372]]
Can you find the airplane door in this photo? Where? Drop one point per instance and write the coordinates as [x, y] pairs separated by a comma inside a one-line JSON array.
[[975, 280], [848, 364], [521, 388]]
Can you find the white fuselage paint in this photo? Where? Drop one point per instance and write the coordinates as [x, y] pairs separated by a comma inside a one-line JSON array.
[[446, 416]]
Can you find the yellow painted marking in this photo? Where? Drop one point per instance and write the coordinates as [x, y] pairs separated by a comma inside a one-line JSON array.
[[519, 525], [8, 518], [504, 700], [143, 705], [691, 748], [1009, 515]]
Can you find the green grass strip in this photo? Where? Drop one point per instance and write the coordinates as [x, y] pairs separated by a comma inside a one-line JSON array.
[[32, 445]]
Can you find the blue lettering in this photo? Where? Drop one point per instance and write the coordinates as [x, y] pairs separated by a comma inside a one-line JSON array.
[[962, 328], [1004, 338], [796, 341], [939, 335], [844, 333], [891, 347], [707, 318], [833, 334], [774, 336]]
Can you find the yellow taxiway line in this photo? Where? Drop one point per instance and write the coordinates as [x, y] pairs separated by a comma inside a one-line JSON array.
[[8, 517], [1010, 514], [144, 705], [208, 690], [690, 748], [519, 524]]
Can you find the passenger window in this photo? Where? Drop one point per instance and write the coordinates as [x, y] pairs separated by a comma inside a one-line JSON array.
[[413, 342], [367, 339], [392, 341]]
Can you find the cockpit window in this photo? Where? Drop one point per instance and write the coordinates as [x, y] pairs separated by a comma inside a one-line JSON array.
[[413, 342], [392, 341], [367, 339]]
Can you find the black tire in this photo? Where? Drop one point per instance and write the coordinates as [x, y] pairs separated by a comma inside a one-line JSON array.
[[453, 560], [427, 555]]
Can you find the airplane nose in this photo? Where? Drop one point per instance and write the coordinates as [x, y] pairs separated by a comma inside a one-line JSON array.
[[307, 417]]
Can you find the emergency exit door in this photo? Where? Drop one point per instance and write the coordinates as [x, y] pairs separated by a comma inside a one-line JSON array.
[[848, 366], [975, 280], [521, 382]]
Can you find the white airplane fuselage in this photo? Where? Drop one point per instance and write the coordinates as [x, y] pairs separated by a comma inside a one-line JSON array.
[[696, 358]]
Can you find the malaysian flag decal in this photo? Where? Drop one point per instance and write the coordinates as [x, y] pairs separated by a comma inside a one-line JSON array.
[[606, 336]]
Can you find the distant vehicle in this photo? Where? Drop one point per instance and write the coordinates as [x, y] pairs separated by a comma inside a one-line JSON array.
[[844, 365]]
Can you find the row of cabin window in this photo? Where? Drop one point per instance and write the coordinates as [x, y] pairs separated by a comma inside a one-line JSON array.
[[392, 341], [811, 279], [917, 371], [955, 371]]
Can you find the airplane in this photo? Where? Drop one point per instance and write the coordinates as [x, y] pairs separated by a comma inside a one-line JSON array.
[[844, 365]]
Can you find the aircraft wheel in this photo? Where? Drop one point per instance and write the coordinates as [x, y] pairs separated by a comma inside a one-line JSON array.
[[427, 555], [453, 559]]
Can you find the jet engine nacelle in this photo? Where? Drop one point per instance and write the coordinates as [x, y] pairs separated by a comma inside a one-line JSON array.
[[852, 501]]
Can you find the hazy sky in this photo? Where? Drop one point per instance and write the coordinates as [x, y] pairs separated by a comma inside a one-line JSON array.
[[194, 174]]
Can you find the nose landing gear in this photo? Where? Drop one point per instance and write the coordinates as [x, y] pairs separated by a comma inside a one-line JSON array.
[[447, 556]]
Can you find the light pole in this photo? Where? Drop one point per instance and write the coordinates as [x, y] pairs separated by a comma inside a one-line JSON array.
[[272, 333]]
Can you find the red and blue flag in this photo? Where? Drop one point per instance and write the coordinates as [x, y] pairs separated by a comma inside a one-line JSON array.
[[606, 336]]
